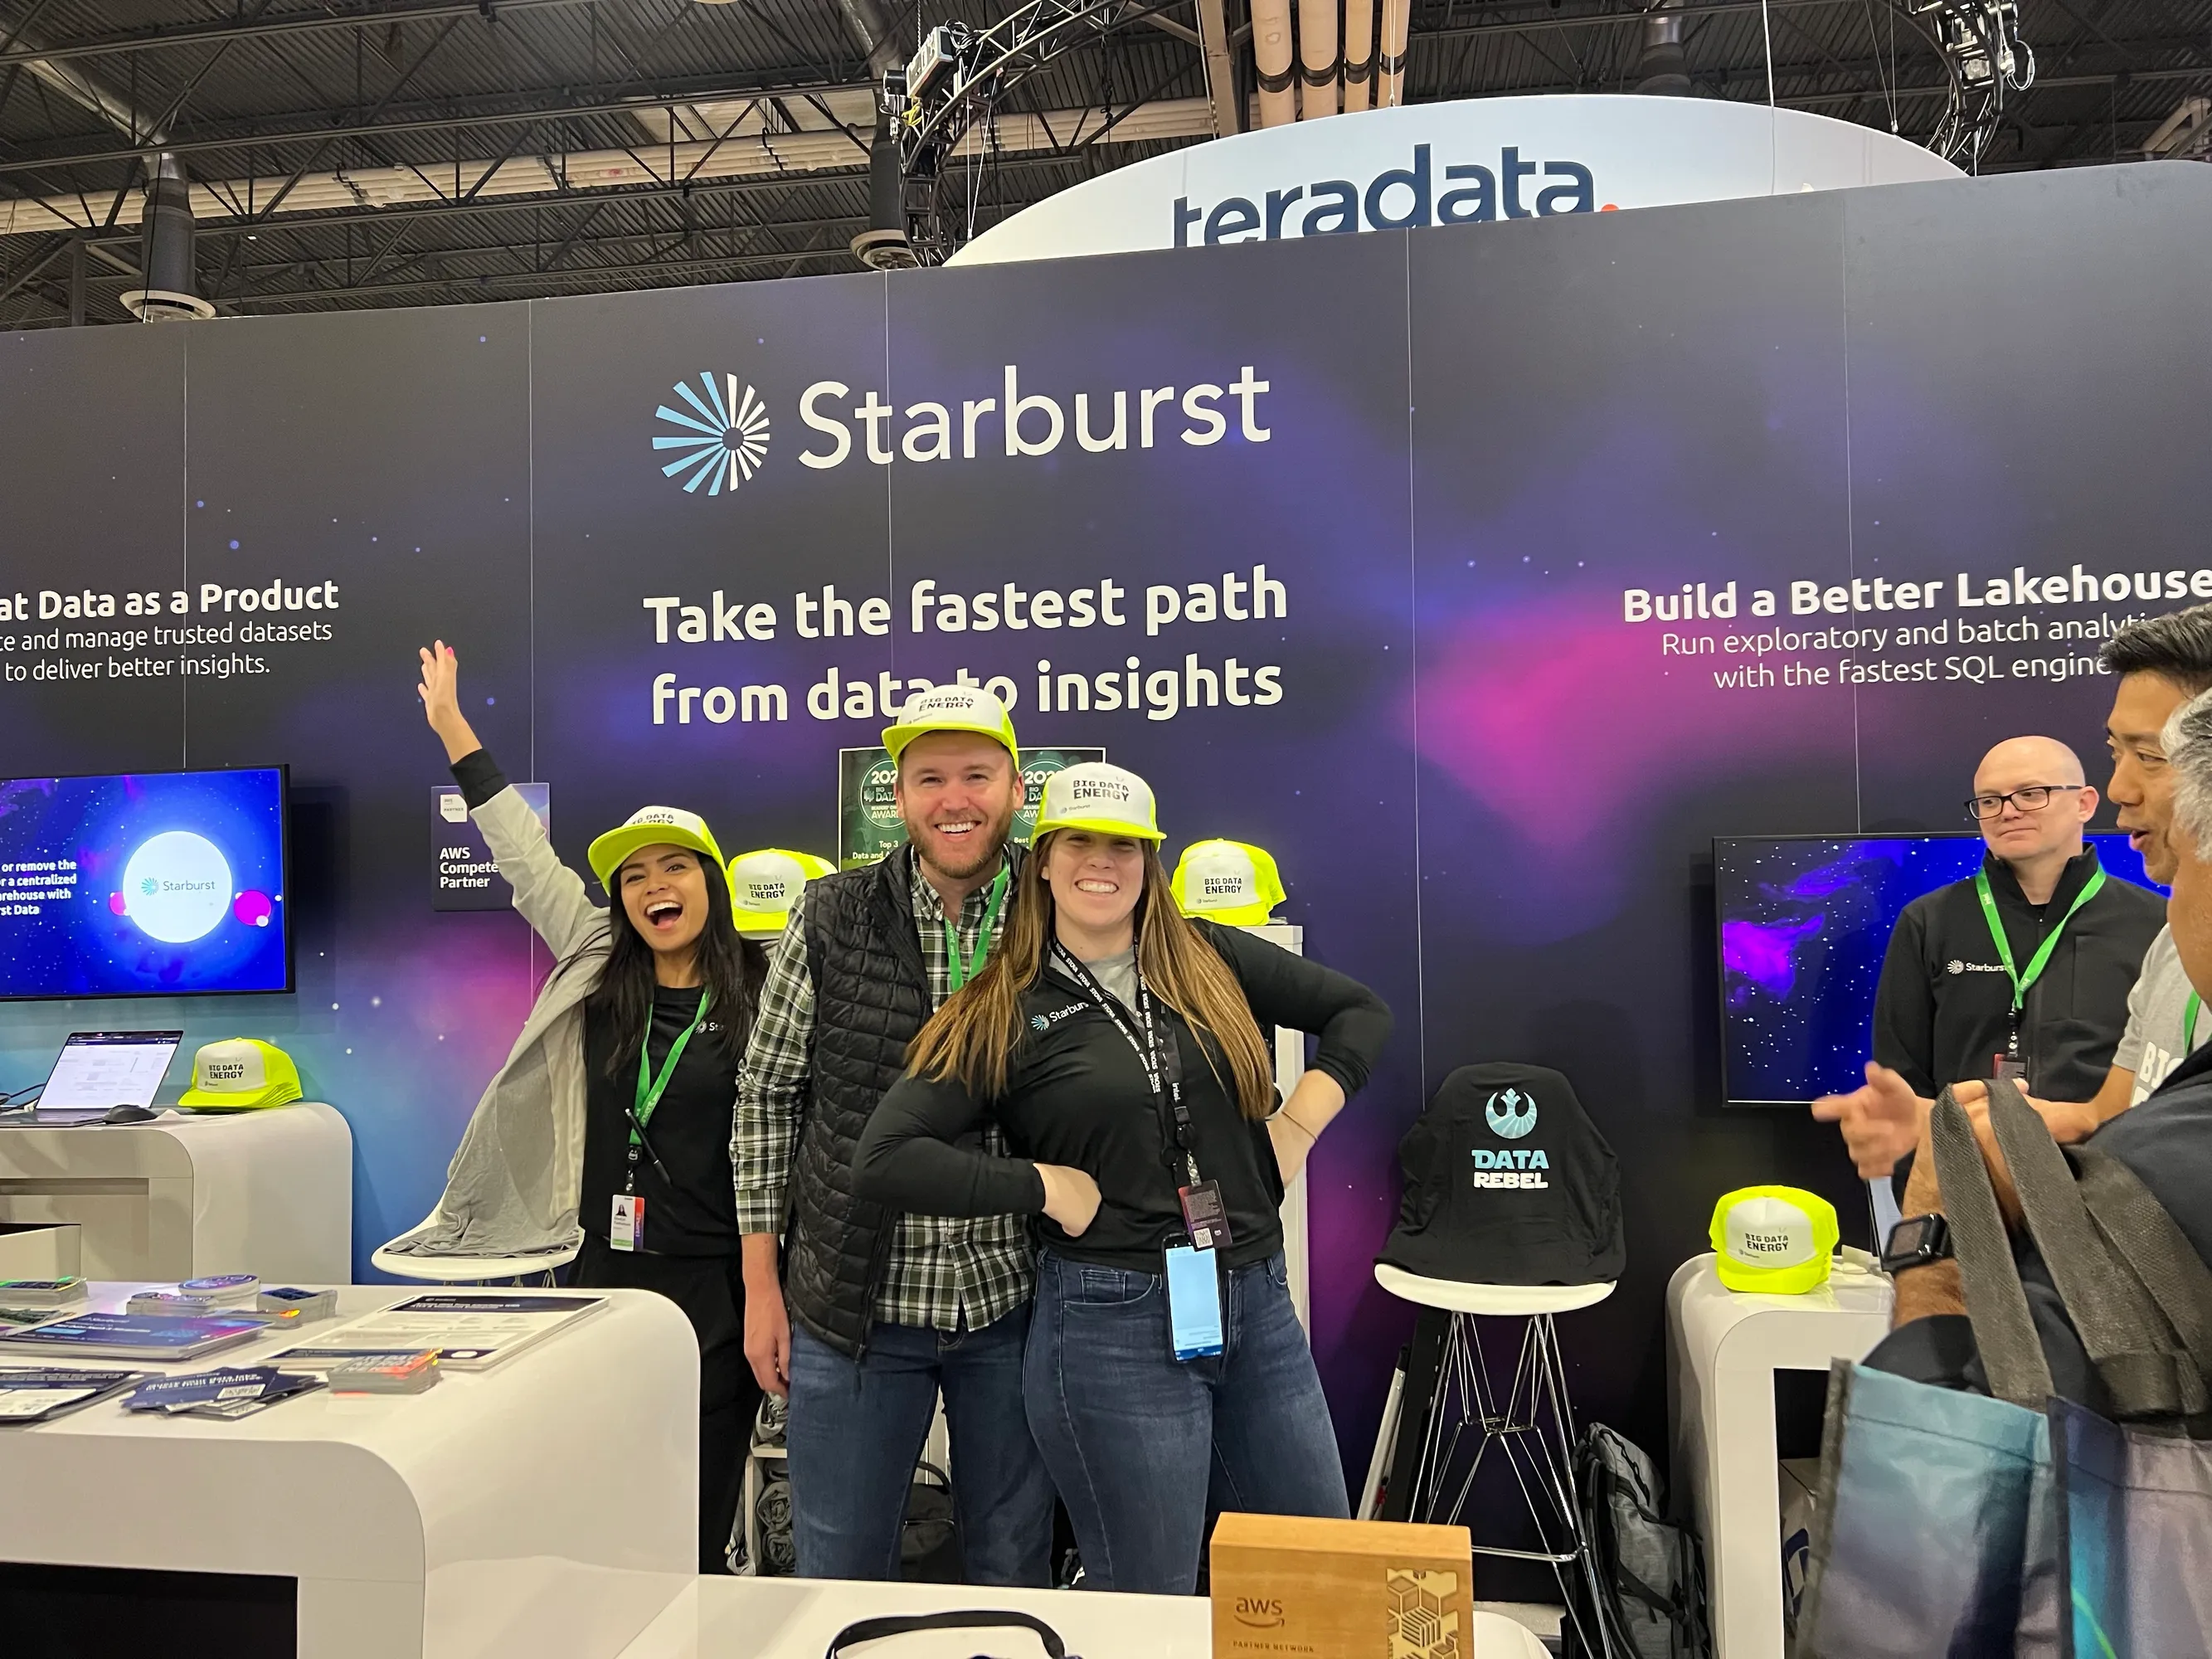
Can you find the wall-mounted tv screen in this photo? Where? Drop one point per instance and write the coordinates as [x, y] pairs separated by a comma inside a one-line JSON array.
[[1804, 923], [146, 883]]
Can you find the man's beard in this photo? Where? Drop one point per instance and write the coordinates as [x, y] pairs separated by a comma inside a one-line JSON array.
[[977, 852]]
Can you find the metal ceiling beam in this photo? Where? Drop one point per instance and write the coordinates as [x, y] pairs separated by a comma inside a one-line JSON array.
[[586, 275], [631, 247], [200, 34], [1544, 21], [693, 89], [761, 185]]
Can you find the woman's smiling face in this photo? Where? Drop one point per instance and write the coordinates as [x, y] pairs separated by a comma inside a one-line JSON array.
[[1095, 879]]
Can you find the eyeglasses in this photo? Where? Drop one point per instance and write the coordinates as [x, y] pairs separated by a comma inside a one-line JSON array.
[[2034, 799]]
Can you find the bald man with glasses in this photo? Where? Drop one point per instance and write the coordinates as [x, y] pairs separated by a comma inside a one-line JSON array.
[[2024, 968]]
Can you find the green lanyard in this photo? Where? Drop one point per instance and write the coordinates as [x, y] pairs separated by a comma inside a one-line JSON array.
[[957, 971], [2189, 1024], [650, 1088], [2022, 983]]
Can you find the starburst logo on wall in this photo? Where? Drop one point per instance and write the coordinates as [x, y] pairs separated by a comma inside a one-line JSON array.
[[723, 439]]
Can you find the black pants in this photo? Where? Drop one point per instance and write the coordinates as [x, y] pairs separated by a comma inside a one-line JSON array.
[[710, 1289]]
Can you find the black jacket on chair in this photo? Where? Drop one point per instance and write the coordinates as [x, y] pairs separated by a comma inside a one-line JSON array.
[[1508, 1182]]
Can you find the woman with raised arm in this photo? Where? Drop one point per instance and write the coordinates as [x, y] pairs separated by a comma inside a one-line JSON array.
[[612, 1115]]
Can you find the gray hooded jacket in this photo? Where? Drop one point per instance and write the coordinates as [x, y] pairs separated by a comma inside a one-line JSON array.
[[513, 1187]]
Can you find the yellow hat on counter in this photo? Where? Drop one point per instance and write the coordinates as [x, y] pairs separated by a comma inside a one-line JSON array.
[[239, 1074]]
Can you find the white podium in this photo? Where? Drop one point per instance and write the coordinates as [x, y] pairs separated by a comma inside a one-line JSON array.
[[543, 1508], [1724, 1348], [187, 1195]]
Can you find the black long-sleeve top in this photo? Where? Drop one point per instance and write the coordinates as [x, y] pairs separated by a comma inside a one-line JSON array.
[[1942, 1009], [1076, 1095]]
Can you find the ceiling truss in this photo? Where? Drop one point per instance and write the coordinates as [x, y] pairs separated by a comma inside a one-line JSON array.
[[356, 152]]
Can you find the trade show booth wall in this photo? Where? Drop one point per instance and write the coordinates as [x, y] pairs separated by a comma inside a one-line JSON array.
[[1483, 574]]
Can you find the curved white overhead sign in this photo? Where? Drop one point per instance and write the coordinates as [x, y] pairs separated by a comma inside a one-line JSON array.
[[1475, 160]]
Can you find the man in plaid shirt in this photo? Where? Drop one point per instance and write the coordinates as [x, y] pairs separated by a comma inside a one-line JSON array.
[[870, 1315]]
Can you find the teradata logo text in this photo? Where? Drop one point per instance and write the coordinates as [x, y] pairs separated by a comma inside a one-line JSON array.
[[1396, 198]]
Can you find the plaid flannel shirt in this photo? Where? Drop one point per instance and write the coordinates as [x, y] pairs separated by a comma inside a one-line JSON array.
[[946, 1273]]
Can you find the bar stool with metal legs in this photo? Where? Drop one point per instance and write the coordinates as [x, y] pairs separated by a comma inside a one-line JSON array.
[[1531, 1426]]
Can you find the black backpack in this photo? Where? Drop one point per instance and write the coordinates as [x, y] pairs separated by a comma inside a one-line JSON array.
[[1646, 1580], [1508, 1182]]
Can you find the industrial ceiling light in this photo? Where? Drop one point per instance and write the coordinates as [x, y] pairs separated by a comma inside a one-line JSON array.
[[166, 250], [885, 245]]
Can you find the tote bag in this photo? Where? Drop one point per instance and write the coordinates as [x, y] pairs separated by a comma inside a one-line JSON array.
[[1955, 1524]]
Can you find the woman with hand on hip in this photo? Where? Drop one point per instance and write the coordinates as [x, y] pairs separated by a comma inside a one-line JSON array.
[[613, 1114], [1120, 1047]]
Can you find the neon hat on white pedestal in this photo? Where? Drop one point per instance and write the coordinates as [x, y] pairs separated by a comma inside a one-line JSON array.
[[765, 885], [1230, 882], [1778, 1241]]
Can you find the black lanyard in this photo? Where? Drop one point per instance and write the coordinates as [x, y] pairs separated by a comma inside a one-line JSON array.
[[1156, 1051]]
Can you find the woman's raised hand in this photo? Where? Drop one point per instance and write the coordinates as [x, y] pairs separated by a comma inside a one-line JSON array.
[[440, 689]]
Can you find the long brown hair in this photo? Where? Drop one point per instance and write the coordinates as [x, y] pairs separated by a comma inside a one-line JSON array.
[[969, 1038]]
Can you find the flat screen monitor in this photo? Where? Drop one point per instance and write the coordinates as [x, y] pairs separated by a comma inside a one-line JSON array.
[[144, 883], [1804, 923]]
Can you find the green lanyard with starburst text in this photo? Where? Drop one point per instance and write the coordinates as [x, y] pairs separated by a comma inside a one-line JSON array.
[[2022, 983]]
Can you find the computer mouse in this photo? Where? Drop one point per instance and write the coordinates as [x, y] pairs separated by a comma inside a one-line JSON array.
[[130, 1114]]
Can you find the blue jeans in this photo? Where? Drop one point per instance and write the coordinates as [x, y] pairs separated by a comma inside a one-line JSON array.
[[857, 1427], [1142, 1445]]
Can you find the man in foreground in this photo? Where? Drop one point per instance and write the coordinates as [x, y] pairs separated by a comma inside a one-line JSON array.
[[875, 1312]]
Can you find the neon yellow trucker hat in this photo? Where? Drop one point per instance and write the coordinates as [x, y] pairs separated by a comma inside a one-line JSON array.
[[1778, 1241], [1230, 882], [766, 883], [651, 826], [953, 708], [1106, 801], [239, 1074]]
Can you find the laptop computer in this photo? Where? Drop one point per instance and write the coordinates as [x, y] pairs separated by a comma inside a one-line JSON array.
[[97, 1071]]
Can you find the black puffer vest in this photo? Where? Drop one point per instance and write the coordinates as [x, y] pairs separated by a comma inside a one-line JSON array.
[[871, 996]]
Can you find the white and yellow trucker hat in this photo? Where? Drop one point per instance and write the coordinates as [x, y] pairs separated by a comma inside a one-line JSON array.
[[952, 708], [1106, 801], [765, 885], [1778, 1241], [651, 826], [240, 1073], [1230, 882]]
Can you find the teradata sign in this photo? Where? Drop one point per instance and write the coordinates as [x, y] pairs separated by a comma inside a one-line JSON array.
[[1469, 163]]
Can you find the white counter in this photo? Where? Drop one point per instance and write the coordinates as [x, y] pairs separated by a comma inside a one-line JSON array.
[[189, 1195], [543, 1508], [795, 1618]]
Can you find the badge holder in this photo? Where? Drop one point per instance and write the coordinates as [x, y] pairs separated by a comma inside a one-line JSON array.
[[1194, 1303]]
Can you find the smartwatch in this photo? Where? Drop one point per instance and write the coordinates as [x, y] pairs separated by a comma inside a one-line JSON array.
[[1917, 1241]]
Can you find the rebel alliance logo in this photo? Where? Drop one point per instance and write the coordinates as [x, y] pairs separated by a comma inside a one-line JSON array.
[[1505, 1114], [724, 439]]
